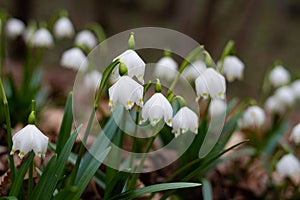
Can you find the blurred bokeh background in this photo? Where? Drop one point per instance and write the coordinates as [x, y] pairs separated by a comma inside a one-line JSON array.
[[263, 31]]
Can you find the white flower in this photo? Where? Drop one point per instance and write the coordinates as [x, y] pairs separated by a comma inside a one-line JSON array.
[[92, 79], [253, 117], [156, 108], [86, 38], [28, 35], [63, 28], [212, 83], [296, 88], [288, 166], [29, 138], [285, 96], [279, 76], [233, 68], [273, 105], [296, 134], [126, 91], [134, 63], [216, 108], [166, 69], [184, 120], [14, 27], [192, 71], [74, 58], [42, 38]]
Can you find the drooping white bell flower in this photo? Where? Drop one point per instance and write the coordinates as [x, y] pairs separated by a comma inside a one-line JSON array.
[[63, 28], [279, 76], [210, 83], [273, 105], [74, 58], [29, 138], [285, 96], [296, 88], [295, 136], [42, 38], [14, 27], [134, 63], [216, 108], [288, 166], [194, 70], [233, 68], [126, 91], [185, 119], [86, 38], [253, 117], [166, 69], [28, 35], [92, 79], [156, 108]]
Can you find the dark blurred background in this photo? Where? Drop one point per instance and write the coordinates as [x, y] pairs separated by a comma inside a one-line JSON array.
[[263, 31]]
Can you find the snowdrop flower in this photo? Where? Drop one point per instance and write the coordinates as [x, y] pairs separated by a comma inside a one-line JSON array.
[[156, 108], [42, 38], [86, 38], [74, 58], [92, 79], [210, 83], [253, 117], [126, 91], [216, 108], [134, 63], [288, 166], [63, 28], [30, 138], [285, 96], [14, 28], [28, 35], [279, 76], [273, 105], [296, 88], [233, 68], [166, 69], [192, 71], [296, 134], [184, 120]]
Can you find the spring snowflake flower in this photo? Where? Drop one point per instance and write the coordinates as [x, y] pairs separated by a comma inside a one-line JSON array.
[[63, 28], [285, 95], [92, 79], [233, 68], [184, 120], [134, 63], [273, 105], [29, 138], [74, 58], [126, 91], [194, 70], [288, 166], [14, 27], [216, 108], [279, 76], [296, 134], [253, 117], [156, 108], [210, 83], [166, 69], [296, 88], [86, 38], [42, 38]]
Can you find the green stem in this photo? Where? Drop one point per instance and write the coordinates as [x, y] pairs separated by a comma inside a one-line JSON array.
[[8, 127], [2, 42], [30, 179]]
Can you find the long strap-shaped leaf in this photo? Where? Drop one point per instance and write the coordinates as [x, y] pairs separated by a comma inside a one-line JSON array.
[[53, 172]]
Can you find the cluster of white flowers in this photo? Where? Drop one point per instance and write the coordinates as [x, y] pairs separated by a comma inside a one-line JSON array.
[[253, 117]]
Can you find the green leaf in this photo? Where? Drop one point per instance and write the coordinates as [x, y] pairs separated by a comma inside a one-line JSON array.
[[116, 184], [9, 198], [153, 188], [18, 182], [49, 179], [66, 125], [206, 189]]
